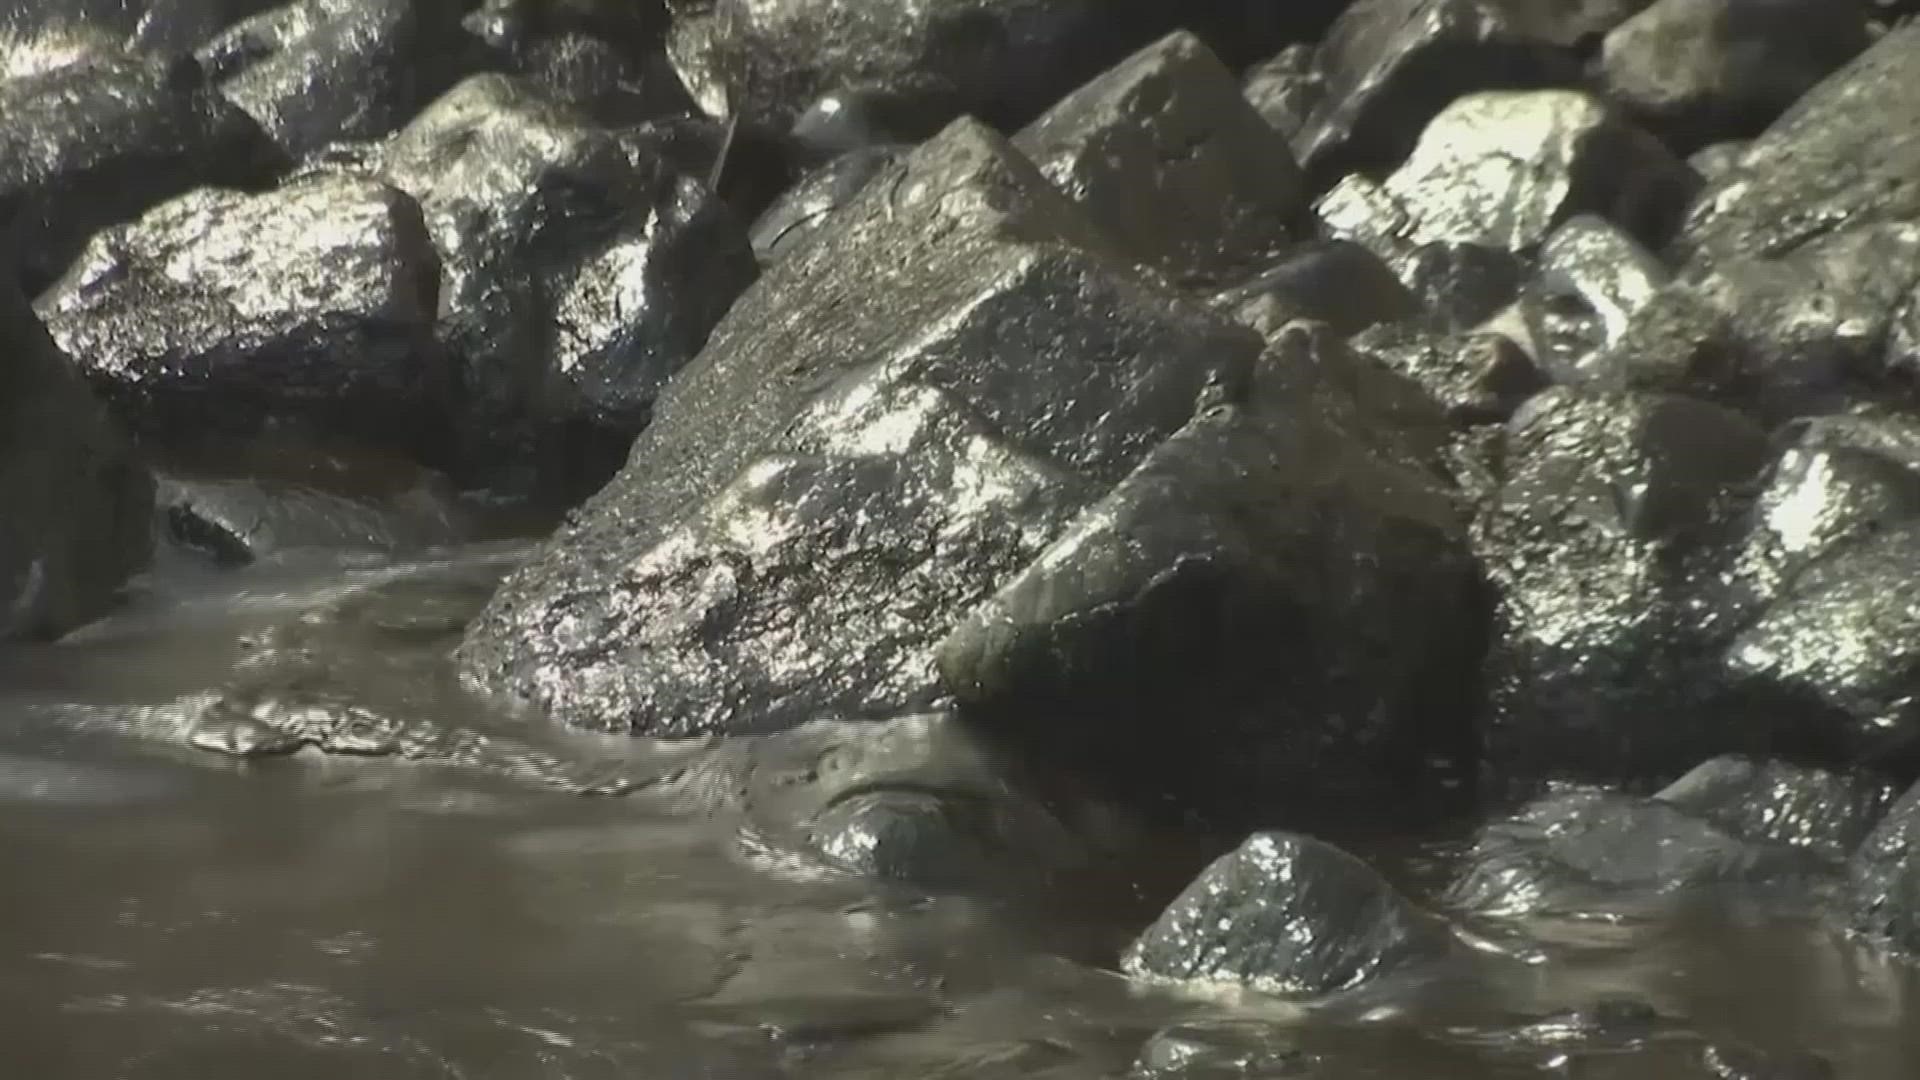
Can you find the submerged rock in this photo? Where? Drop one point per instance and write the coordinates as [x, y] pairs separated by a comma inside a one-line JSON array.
[[1392, 65], [1825, 162], [1220, 1050], [1172, 163], [78, 502], [918, 798], [314, 72], [581, 268], [219, 312], [1287, 574], [1764, 799], [1285, 914], [92, 143], [1568, 852], [1698, 71], [1604, 662], [899, 416], [235, 521]]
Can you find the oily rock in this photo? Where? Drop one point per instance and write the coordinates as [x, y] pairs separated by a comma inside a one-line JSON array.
[[219, 312], [1287, 573], [93, 143], [1172, 163], [1391, 65], [1504, 168], [1479, 378], [1335, 282], [1285, 89], [808, 204], [1767, 799], [1610, 514], [313, 72], [1288, 914], [1847, 153], [78, 501], [1804, 332], [581, 268], [1883, 878], [1589, 282], [1698, 71], [1567, 852], [903, 412]]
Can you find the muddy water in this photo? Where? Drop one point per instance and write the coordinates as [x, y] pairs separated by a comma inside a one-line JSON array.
[[479, 912]]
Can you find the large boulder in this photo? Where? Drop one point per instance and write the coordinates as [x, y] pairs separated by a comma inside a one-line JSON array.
[[95, 142], [1172, 163], [1503, 168], [1702, 70], [318, 71], [1611, 511], [1287, 914], [581, 267], [219, 312], [1287, 580], [1825, 162], [903, 412], [78, 503]]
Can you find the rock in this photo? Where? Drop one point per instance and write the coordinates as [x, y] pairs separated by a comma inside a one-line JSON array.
[[235, 521], [1221, 1050], [1172, 163], [78, 502], [1700, 70], [919, 799], [604, 58], [1285, 914], [903, 412], [1835, 654], [1883, 879], [581, 268], [1392, 65], [1460, 285], [1335, 282], [1590, 281], [1571, 852], [1802, 333], [1287, 574], [1730, 1062], [1826, 162], [219, 313], [314, 72], [1476, 378], [1763, 799], [1504, 168], [93, 143], [806, 206], [1719, 159], [1610, 513], [1285, 89]]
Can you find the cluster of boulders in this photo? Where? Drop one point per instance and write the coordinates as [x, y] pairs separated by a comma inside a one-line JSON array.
[[1269, 415]]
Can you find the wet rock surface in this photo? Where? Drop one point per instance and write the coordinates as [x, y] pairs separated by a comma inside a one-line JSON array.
[[580, 268], [1302, 595], [1171, 163], [1288, 914], [871, 404], [314, 72], [77, 499], [1042, 441], [222, 312], [92, 143]]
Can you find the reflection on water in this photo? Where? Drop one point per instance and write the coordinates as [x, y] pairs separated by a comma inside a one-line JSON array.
[[168, 913]]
